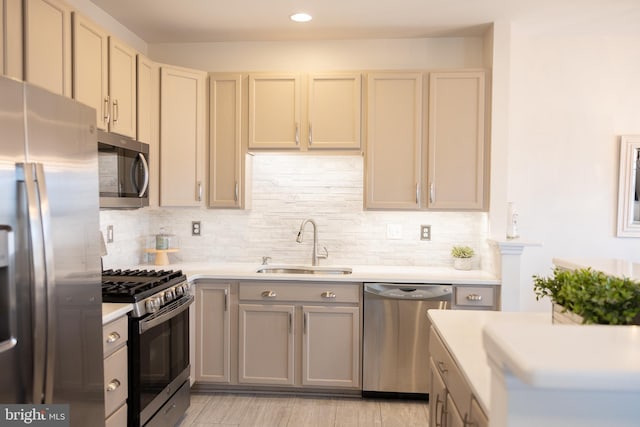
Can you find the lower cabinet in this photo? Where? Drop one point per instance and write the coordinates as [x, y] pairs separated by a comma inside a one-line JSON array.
[[115, 335], [293, 334], [451, 401]]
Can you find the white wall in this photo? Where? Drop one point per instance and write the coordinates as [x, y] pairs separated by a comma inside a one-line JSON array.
[[574, 89]]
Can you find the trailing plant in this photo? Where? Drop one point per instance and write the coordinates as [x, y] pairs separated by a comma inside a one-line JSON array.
[[462, 252], [597, 297]]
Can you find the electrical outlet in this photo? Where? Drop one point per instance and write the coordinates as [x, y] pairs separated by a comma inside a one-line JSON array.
[[394, 231], [109, 233], [425, 232], [196, 228]]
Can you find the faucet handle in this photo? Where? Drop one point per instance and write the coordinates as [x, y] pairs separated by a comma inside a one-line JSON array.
[[265, 260], [325, 255]]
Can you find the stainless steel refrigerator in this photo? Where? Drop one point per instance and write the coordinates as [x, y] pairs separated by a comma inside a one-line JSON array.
[[50, 295]]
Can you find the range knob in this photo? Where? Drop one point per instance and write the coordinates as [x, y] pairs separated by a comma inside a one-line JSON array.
[[153, 304], [169, 295], [179, 291]]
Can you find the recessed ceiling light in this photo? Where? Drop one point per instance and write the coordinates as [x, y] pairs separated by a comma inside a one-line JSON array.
[[301, 17]]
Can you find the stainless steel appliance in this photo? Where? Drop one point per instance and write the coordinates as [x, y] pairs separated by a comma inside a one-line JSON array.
[[396, 335], [51, 311], [158, 342], [124, 171]]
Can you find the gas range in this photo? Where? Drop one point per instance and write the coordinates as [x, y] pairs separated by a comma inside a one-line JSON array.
[[148, 290]]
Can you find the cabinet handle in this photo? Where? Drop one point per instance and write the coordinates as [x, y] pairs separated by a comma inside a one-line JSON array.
[[474, 297], [297, 134], [113, 385], [106, 110], [226, 299], [438, 403], [442, 367], [113, 337], [417, 194], [304, 321], [328, 294], [199, 191], [466, 422], [310, 134], [290, 323], [432, 192], [116, 111], [236, 195], [269, 294]]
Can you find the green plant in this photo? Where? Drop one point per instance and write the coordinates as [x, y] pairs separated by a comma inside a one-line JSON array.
[[595, 296], [462, 252]]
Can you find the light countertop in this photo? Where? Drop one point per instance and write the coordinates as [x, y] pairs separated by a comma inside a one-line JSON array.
[[610, 266], [112, 311], [361, 273], [462, 333]]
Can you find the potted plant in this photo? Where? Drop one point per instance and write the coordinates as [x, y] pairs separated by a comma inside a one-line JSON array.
[[590, 297], [462, 257]]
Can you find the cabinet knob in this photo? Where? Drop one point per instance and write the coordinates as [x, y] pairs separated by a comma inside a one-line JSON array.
[[474, 297], [113, 337], [269, 294], [113, 385]]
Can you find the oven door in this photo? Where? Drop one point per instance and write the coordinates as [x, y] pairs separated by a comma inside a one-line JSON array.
[[159, 360]]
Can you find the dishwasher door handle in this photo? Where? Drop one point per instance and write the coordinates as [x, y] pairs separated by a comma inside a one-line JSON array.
[[410, 292]]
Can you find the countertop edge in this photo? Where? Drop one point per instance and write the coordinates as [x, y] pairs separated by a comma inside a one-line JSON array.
[[113, 311]]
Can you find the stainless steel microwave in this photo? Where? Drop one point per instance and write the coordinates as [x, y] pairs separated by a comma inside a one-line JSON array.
[[123, 165]]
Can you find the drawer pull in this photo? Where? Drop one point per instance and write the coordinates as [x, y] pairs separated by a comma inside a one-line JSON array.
[[113, 385], [269, 294], [113, 337], [474, 297], [442, 367], [328, 294]]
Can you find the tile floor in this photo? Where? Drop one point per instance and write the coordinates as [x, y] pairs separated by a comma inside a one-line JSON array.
[[256, 410]]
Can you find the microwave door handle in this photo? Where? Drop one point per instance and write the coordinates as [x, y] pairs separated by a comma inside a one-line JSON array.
[[145, 184]]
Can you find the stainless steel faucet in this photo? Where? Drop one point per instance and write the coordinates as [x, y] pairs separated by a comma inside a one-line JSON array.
[[314, 255]]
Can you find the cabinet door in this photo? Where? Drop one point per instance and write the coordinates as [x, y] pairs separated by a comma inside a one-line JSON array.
[[265, 349], [182, 136], [453, 417], [274, 111], [148, 118], [225, 141], [331, 346], [437, 397], [90, 67], [47, 45], [477, 417], [122, 88], [213, 349], [11, 45], [456, 140], [394, 135], [334, 111]]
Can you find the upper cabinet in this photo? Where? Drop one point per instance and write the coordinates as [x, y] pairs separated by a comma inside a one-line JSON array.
[[227, 161], [47, 45], [274, 111], [334, 111], [148, 116], [394, 138], [456, 140], [104, 76], [290, 111], [182, 136], [11, 45], [433, 160]]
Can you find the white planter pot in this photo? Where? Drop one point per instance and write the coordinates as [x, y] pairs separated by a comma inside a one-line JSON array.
[[562, 316], [462, 263]]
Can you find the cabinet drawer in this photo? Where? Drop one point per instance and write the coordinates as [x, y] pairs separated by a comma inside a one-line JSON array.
[[451, 374], [114, 335], [115, 380], [118, 418], [475, 296], [308, 292]]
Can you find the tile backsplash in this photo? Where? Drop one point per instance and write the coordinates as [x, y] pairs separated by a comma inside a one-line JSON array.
[[288, 189]]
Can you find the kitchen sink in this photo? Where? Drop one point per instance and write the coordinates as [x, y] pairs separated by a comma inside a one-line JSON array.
[[272, 269]]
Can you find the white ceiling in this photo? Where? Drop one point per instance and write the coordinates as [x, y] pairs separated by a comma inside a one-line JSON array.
[[184, 21]]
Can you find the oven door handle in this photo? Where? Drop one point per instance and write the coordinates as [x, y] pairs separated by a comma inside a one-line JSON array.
[[171, 312]]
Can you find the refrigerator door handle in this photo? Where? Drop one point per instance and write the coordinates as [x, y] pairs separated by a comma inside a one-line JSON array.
[[37, 218], [7, 290], [50, 281]]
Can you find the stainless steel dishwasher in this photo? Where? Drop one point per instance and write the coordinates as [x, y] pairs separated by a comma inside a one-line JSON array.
[[395, 353]]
